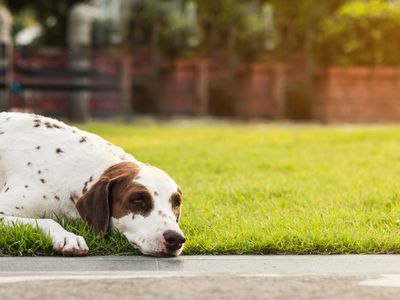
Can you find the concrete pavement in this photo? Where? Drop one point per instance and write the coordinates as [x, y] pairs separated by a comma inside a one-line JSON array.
[[199, 277]]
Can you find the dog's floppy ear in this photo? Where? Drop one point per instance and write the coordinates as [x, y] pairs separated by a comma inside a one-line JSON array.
[[94, 206]]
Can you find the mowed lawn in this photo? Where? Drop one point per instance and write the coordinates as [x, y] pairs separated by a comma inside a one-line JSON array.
[[262, 189]]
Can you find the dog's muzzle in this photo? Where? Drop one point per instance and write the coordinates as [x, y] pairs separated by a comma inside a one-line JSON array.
[[173, 241]]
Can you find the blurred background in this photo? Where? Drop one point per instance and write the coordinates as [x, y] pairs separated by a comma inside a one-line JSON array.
[[304, 60]]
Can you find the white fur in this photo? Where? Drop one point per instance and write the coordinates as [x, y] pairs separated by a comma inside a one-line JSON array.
[[42, 166]]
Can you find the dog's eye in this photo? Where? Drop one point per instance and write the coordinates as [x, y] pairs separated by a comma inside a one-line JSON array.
[[176, 200], [138, 199]]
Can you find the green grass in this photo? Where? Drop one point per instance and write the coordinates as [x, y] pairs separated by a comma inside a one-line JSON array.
[[259, 190]]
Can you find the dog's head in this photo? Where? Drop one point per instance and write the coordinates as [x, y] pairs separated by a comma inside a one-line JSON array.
[[140, 201]]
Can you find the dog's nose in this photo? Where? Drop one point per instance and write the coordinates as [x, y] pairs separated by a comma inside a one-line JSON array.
[[173, 239]]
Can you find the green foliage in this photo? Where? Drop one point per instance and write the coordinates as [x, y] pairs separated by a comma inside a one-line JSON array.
[[246, 28], [171, 24], [260, 190], [255, 32], [52, 16], [361, 33]]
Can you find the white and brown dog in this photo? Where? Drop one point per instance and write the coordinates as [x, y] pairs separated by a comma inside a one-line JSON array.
[[50, 168]]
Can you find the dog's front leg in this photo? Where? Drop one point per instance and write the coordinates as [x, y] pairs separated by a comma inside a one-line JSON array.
[[64, 242]]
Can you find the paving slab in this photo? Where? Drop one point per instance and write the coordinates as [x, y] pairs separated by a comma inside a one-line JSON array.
[[346, 277], [256, 265]]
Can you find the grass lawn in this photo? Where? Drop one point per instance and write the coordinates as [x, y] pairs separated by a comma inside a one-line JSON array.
[[260, 190]]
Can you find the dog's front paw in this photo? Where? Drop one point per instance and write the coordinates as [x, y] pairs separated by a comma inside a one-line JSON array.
[[69, 244]]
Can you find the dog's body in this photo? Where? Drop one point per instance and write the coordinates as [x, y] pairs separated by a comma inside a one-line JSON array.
[[50, 168]]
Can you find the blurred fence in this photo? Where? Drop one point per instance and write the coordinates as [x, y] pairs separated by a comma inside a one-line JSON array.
[[42, 81]]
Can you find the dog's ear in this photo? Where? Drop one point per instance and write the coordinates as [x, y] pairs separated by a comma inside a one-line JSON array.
[[94, 206]]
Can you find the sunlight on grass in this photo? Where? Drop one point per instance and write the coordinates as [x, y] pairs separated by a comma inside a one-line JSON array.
[[263, 190]]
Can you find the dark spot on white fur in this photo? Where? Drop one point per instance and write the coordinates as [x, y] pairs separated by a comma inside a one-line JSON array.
[[58, 151], [7, 189], [155, 194], [57, 198], [17, 207], [73, 197], [37, 147], [26, 186], [36, 125], [2, 213], [90, 179], [29, 163], [44, 197], [52, 125], [42, 180], [1, 132], [39, 172], [83, 139]]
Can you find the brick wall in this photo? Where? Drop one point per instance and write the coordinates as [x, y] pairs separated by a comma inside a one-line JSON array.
[[101, 103], [357, 95], [261, 90]]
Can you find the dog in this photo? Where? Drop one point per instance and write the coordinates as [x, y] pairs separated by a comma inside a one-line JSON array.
[[48, 168]]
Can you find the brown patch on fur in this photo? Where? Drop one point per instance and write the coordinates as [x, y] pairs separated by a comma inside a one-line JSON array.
[[114, 194], [83, 139], [176, 200], [58, 151]]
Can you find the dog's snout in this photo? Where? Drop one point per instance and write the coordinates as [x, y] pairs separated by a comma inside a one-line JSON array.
[[173, 239]]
